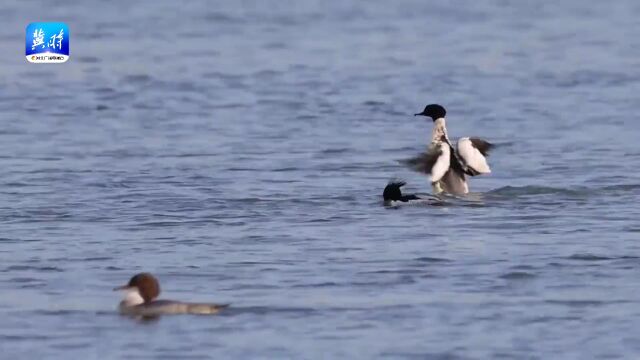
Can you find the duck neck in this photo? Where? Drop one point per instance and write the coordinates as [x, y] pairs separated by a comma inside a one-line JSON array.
[[439, 132], [132, 297]]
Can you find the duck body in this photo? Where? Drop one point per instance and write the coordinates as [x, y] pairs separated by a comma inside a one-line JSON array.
[[447, 166], [140, 300], [166, 307]]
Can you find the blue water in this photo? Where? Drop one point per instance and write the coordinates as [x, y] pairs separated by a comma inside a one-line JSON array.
[[238, 150]]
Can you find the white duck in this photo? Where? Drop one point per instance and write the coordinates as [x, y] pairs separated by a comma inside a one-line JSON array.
[[447, 166]]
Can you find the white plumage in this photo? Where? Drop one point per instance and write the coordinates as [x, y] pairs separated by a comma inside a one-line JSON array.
[[472, 157], [132, 297], [441, 165], [448, 167]]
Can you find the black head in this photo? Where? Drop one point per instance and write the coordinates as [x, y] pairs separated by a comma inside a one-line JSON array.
[[392, 191], [434, 111]]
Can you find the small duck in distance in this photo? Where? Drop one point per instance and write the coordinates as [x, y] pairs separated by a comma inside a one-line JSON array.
[[447, 166], [140, 295]]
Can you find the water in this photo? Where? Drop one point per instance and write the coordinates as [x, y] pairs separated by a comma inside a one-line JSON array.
[[238, 150]]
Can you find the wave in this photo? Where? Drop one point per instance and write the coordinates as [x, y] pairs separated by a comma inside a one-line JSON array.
[[579, 191], [537, 190], [594, 257]]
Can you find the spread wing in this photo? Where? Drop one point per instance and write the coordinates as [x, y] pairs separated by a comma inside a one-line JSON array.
[[434, 162], [473, 152]]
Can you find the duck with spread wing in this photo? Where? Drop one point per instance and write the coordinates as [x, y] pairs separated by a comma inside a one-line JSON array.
[[448, 166]]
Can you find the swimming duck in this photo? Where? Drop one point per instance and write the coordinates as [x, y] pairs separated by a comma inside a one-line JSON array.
[[140, 295]]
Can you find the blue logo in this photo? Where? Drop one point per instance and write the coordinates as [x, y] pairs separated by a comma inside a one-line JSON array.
[[47, 42]]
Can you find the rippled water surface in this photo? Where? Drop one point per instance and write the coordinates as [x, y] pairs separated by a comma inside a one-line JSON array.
[[239, 149]]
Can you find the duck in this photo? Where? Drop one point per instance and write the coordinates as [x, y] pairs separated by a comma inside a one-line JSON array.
[[392, 193], [447, 166], [393, 196], [140, 299]]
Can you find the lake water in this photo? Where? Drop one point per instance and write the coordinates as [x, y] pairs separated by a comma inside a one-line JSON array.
[[238, 150]]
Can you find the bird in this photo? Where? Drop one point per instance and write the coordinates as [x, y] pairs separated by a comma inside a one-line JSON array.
[[393, 196], [140, 295], [448, 167], [392, 193]]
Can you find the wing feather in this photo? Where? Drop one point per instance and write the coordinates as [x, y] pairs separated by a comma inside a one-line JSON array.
[[482, 145], [434, 162], [473, 152]]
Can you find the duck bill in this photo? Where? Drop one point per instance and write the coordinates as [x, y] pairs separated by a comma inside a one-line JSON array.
[[122, 288]]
